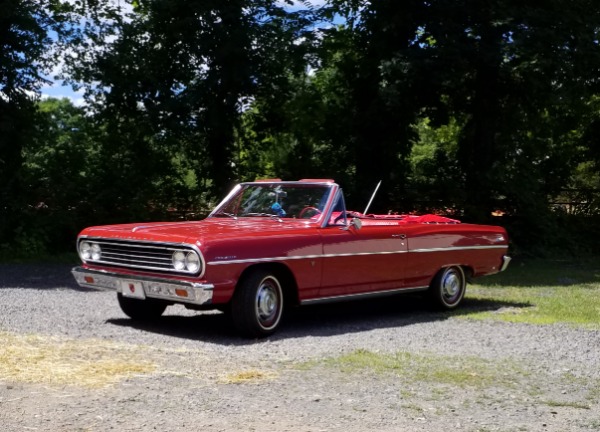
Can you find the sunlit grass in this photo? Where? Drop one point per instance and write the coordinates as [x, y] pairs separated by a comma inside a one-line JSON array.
[[577, 405], [460, 378], [458, 371], [93, 363], [541, 292], [55, 361], [247, 376]]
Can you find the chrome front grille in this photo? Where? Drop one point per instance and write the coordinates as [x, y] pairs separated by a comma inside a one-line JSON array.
[[139, 255]]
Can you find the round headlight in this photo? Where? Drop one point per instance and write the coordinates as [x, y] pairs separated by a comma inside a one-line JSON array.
[[178, 260], [85, 250], [192, 262], [96, 252]]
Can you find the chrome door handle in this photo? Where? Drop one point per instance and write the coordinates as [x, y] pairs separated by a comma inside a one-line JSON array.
[[400, 236]]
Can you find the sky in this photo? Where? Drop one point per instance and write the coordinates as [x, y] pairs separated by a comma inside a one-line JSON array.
[[57, 90]]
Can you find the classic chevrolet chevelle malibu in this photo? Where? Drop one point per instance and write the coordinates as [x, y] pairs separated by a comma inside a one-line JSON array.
[[272, 244]]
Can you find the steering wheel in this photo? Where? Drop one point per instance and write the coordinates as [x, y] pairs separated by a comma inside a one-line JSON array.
[[315, 211]]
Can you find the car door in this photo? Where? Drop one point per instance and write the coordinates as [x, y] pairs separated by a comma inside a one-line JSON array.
[[369, 259]]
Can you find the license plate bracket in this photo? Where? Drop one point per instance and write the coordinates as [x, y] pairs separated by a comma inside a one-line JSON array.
[[133, 289]]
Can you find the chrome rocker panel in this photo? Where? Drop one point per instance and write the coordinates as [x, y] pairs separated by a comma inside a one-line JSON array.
[[163, 289]]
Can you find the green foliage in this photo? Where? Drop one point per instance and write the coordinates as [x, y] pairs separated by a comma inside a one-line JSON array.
[[436, 177], [26, 55], [58, 169], [302, 139], [183, 71], [462, 107], [455, 371], [543, 292]]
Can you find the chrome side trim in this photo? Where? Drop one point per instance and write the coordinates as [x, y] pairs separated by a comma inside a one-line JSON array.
[[456, 248], [300, 257], [164, 289], [362, 295], [505, 262]]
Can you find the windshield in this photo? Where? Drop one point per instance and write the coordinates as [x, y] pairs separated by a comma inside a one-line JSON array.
[[281, 200]]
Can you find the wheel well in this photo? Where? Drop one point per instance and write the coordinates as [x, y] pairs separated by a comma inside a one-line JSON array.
[[283, 273], [468, 272]]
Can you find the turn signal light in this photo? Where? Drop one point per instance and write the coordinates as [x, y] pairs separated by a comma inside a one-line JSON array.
[[181, 292]]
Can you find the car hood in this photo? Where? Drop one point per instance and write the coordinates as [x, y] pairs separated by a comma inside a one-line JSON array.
[[197, 232]]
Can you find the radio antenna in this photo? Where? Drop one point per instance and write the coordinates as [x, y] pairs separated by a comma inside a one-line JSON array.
[[372, 197]]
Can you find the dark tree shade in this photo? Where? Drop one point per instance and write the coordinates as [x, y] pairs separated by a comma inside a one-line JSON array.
[[187, 69], [24, 45]]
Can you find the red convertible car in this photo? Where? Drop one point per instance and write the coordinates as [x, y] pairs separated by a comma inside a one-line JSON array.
[[273, 244]]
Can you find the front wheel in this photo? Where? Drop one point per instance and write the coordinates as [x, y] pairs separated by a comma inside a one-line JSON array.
[[448, 288], [257, 304], [141, 310]]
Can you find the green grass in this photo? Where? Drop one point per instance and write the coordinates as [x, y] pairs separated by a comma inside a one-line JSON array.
[[539, 292], [465, 379], [534, 292], [577, 405], [450, 370]]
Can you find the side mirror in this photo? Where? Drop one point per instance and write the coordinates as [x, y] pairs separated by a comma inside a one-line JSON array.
[[354, 222]]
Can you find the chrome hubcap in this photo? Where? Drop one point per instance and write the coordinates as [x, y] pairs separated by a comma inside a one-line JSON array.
[[267, 301], [451, 285]]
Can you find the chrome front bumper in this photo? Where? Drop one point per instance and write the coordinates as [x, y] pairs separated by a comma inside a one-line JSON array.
[[164, 289]]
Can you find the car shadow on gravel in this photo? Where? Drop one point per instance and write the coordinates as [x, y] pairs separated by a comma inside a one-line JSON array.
[[316, 320], [37, 276]]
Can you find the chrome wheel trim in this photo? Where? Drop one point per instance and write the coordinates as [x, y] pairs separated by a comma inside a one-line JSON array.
[[452, 286], [268, 303]]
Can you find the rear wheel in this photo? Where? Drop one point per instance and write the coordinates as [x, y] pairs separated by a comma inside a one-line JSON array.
[[257, 305], [448, 288], [141, 310]]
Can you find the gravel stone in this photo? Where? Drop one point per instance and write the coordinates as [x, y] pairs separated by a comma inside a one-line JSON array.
[[560, 389]]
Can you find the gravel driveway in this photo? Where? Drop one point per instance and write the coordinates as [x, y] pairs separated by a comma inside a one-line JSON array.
[[510, 377]]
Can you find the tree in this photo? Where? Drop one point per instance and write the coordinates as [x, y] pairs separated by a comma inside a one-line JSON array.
[[519, 75], [381, 106], [24, 59], [186, 70], [59, 173]]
